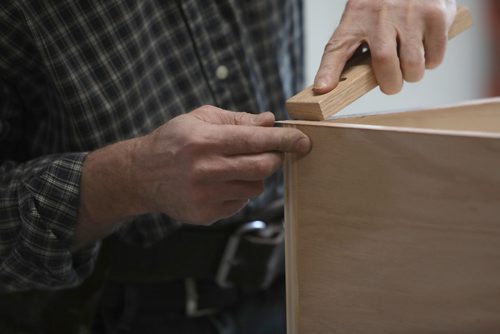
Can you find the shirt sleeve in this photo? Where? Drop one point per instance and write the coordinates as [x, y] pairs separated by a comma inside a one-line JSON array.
[[39, 203]]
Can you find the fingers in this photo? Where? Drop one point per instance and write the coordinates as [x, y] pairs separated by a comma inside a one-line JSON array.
[[435, 42], [337, 52], [214, 115], [412, 58], [215, 201], [252, 167], [212, 213], [385, 60], [237, 190], [238, 140], [204, 165], [242, 118], [404, 36], [236, 133]]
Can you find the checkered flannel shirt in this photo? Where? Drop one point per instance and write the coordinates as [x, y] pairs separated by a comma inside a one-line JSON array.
[[77, 75]]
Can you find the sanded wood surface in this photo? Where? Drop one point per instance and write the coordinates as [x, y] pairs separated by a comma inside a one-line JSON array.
[[359, 80], [393, 230]]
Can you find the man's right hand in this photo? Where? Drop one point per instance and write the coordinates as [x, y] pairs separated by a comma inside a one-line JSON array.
[[206, 165], [197, 168]]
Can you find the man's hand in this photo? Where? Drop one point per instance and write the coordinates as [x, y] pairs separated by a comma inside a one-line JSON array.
[[206, 165], [404, 38], [197, 168]]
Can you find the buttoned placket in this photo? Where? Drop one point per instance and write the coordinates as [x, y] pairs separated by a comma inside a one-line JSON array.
[[221, 55]]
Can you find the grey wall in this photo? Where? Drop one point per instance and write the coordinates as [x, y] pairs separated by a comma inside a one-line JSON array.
[[461, 77]]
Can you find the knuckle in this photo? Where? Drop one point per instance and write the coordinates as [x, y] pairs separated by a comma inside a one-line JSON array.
[[359, 5], [330, 47], [205, 107], [382, 56], [196, 145], [198, 112], [240, 117], [434, 11], [335, 46], [413, 63], [198, 173]]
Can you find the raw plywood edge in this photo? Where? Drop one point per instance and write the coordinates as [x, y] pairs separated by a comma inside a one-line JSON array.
[[292, 299], [480, 118], [464, 104], [480, 115]]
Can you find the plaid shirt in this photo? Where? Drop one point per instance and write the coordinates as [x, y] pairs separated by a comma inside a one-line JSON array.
[[77, 75]]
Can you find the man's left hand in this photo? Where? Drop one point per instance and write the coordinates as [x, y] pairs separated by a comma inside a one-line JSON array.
[[404, 38]]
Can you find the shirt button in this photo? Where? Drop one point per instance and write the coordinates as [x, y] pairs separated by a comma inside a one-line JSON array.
[[222, 72]]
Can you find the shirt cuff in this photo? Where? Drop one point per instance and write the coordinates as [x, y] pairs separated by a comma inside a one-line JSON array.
[[48, 200]]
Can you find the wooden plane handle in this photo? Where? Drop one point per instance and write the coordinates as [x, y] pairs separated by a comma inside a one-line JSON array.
[[356, 80]]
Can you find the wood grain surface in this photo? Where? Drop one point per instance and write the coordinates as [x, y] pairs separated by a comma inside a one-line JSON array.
[[394, 230]]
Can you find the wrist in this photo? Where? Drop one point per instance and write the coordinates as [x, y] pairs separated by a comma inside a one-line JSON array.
[[108, 192], [112, 180]]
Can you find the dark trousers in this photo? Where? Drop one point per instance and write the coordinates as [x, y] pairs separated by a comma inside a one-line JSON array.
[[154, 308], [154, 303], [143, 308]]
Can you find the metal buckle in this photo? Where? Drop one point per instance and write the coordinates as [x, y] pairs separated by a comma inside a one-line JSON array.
[[272, 233], [192, 309]]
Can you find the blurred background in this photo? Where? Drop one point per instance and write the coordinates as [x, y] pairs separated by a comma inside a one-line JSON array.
[[471, 69]]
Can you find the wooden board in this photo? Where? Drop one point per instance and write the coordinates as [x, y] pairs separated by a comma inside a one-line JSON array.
[[480, 116], [359, 80], [394, 230]]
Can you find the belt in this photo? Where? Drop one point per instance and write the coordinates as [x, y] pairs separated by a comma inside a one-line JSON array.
[[249, 256]]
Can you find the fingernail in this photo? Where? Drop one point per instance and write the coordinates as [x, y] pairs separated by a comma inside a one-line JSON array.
[[303, 145], [260, 118], [320, 84]]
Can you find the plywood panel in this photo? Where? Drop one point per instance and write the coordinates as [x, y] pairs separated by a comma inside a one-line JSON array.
[[393, 232]]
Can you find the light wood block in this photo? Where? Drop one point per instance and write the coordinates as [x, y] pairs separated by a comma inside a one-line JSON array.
[[393, 223]]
